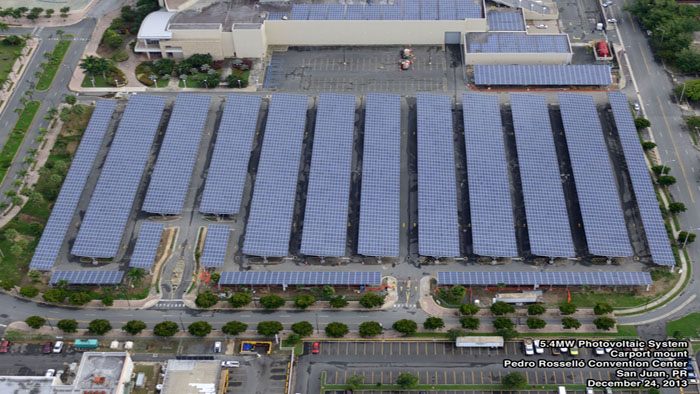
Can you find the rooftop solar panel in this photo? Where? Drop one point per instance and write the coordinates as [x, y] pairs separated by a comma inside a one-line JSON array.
[[229, 162], [300, 12], [171, 176], [576, 75], [545, 207], [411, 9], [652, 221], [270, 220], [102, 227], [87, 277], [448, 10], [505, 20], [144, 254], [215, 245], [326, 214], [317, 12], [381, 176], [438, 231], [603, 221], [507, 42], [258, 278], [336, 11], [429, 10], [63, 210], [468, 9], [373, 12], [277, 16], [493, 230], [355, 12], [545, 278], [391, 12]]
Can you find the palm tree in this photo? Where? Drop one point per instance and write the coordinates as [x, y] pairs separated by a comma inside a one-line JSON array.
[[136, 275], [29, 93], [17, 183], [23, 100], [53, 111], [18, 110], [32, 152], [47, 55], [42, 65], [91, 67], [103, 65], [60, 33], [22, 173], [38, 74], [29, 160], [4, 26], [28, 36], [43, 131]]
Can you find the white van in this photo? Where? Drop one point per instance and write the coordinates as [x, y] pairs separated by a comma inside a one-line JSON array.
[[562, 390]]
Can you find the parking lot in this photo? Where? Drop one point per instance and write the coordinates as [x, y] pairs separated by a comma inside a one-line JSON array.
[[266, 375]]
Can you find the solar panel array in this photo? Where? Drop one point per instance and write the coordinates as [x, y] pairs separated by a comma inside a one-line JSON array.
[[317, 12], [373, 12], [300, 278], [404, 10], [468, 9], [171, 176], [103, 225], [270, 220], [229, 161], [531, 5], [493, 230], [577, 75], [336, 11], [144, 254], [67, 201], [355, 12], [429, 10], [603, 220], [545, 207], [326, 215], [300, 12], [517, 43], [215, 245], [87, 277], [505, 20], [381, 177], [448, 10], [641, 182], [545, 278], [438, 231]]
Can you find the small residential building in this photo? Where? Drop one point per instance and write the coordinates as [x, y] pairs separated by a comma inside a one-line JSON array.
[[194, 377]]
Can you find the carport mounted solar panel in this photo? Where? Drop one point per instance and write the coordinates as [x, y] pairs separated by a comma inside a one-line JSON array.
[[63, 210], [251, 278], [87, 277], [438, 232], [270, 220], [381, 177], [173, 170], [603, 220], [545, 207], [102, 227], [326, 215], [558, 75], [229, 162], [215, 244], [144, 254], [641, 181], [544, 278], [493, 229]]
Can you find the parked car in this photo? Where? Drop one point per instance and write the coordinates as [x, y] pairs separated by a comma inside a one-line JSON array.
[[541, 26], [230, 364], [217, 347], [538, 349], [599, 351], [48, 348], [58, 347], [564, 349], [574, 351], [608, 4], [589, 390], [636, 106], [556, 351], [612, 20], [50, 372], [5, 346], [315, 348]]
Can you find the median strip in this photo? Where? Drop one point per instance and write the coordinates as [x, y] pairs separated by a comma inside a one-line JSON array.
[[50, 70]]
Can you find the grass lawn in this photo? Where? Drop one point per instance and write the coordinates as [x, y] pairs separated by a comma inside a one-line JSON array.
[[9, 150], [7, 58], [192, 81], [688, 326], [143, 70], [588, 299], [52, 67], [622, 331], [101, 82]]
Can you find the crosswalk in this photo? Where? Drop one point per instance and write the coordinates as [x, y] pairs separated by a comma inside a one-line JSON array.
[[67, 38], [404, 305], [170, 304]]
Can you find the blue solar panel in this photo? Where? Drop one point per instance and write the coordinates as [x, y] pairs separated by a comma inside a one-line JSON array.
[[641, 182], [381, 176], [373, 12], [391, 12], [581, 75], [544, 278], [448, 10], [103, 225], [146, 245], [429, 10], [277, 16], [229, 162], [67, 201], [171, 176], [326, 214], [260, 278], [438, 231], [545, 207], [411, 9], [270, 221], [215, 245], [505, 20], [336, 12], [87, 277], [493, 229], [300, 12], [505, 42], [603, 221], [468, 9], [355, 12], [317, 12]]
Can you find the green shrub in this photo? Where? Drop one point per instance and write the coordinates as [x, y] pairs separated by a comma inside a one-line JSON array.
[[29, 291]]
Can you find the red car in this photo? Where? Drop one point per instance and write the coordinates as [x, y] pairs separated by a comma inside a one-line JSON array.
[[315, 348], [48, 348], [5, 347]]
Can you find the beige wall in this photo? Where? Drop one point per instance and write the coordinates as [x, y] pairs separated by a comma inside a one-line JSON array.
[[193, 41], [517, 58], [249, 42]]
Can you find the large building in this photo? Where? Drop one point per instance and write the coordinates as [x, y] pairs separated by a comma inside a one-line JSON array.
[[194, 377]]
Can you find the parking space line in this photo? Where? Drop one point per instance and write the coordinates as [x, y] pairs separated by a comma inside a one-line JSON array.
[[461, 351], [436, 377], [554, 375], [527, 377], [444, 349], [408, 346], [383, 343], [391, 376], [505, 348], [426, 348], [608, 375], [454, 377], [399, 348], [472, 382], [470, 351], [445, 376], [463, 378], [345, 376], [563, 377], [427, 379], [391, 348], [435, 348], [537, 373], [364, 348], [482, 376], [356, 348], [573, 378], [600, 377], [582, 379]]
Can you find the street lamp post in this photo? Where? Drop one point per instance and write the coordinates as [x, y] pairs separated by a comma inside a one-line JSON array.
[[663, 165], [662, 33], [687, 234]]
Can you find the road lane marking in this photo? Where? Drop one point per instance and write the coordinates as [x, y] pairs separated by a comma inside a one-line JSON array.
[[644, 58], [673, 142]]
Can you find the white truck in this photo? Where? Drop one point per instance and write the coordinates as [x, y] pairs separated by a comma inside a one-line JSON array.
[[529, 347]]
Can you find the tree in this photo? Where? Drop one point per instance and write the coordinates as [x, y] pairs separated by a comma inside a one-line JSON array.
[[11, 234], [370, 329], [60, 32], [215, 277], [99, 326], [604, 323], [407, 381], [337, 330], [433, 323], [71, 99], [272, 301], [238, 300], [67, 325], [164, 66], [355, 381], [660, 170], [79, 298], [49, 12], [468, 309], [134, 327], [29, 291], [235, 81], [514, 381], [269, 328], [304, 301], [35, 322], [199, 328], [602, 308], [303, 328], [36, 198], [112, 38], [692, 90], [206, 299], [536, 309], [501, 308], [453, 334], [458, 292], [338, 302], [469, 322], [567, 308], [209, 80], [64, 12], [165, 329], [12, 40], [570, 323], [534, 323], [688, 60], [685, 237], [405, 326], [370, 300], [4, 26], [293, 339], [676, 207], [666, 180], [234, 328], [648, 145], [507, 333], [327, 292], [502, 322], [55, 295], [641, 123]]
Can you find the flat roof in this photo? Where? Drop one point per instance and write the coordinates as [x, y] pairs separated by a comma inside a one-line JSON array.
[[155, 26], [191, 377], [26, 384], [108, 365], [511, 42]]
